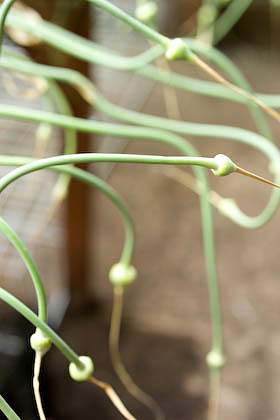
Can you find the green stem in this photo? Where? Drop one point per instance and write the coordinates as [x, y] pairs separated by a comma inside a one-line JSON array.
[[37, 322], [132, 22], [31, 266], [93, 181], [4, 9], [204, 162], [229, 18], [7, 410], [77, 46]]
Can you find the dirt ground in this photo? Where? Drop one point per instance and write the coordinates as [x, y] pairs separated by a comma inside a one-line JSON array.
[[166, 331]]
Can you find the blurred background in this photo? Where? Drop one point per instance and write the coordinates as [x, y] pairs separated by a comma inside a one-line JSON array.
[[166, 329]]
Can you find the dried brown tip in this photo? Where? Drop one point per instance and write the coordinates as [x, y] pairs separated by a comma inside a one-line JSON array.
[[254, 176], [112, 395], [36, 384]]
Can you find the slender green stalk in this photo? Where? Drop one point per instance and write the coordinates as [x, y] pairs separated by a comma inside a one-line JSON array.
[[229, 18], [131, 21], [77, 46], [93, 181], [204, 162], [30, 265], [37, 322], [7, 410], [4, 9]]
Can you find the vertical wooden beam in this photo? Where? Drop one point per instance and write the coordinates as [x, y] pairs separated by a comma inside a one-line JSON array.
[[75, 16]]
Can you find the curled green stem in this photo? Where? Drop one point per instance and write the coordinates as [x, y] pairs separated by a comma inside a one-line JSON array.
[[77, 46], [210, 163], [93, 181]]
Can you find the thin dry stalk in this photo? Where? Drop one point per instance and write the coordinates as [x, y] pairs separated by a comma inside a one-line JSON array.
[[125, 378], [254, 176], [36, 384], [214, 396], [109, 391], [215, 75]]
